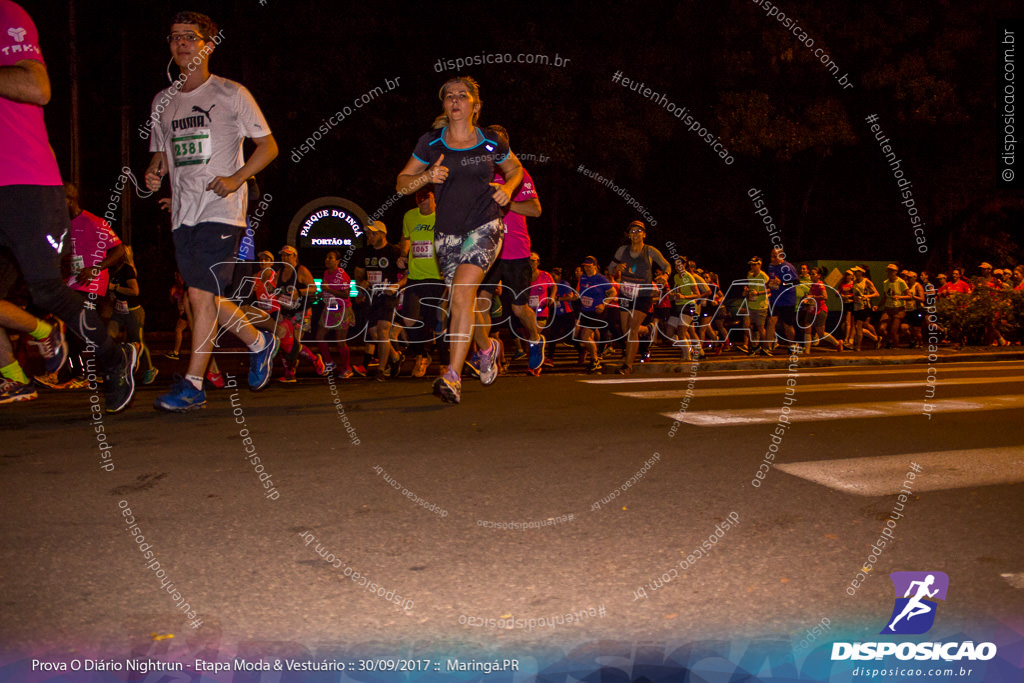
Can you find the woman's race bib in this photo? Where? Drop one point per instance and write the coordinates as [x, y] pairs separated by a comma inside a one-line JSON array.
[[121, 306]]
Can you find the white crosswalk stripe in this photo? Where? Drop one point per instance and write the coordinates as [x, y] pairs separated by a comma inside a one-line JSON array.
[[859, 370], [846, 411], [939, 470], [1015, 580], [878, 475], [814, 388]]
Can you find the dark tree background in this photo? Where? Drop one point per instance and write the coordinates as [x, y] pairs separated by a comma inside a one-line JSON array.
[[929, 70]]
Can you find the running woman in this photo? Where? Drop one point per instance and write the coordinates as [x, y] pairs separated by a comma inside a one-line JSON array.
[[34, 220], [814, 311], [197, 139], [863, 292], [468, 229], [337, 314], [635, 262], [297, 285], [513, 269]]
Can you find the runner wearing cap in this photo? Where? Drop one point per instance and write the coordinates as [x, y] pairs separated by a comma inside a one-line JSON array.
[[756, 294], [377, 271], [894, 303], [956, 285], [297, 286], [864, 290], [461, 160], [986, 274], [634, 262]]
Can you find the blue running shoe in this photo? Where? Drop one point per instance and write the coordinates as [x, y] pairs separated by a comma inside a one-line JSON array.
[[536, 354], [489, 363], [472, 364], [182, 397], [261, 363]]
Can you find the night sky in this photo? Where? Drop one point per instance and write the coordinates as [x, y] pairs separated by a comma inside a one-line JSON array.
[[930, 71]]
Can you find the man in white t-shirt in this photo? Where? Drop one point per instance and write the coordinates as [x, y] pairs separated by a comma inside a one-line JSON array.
[[198, 126]]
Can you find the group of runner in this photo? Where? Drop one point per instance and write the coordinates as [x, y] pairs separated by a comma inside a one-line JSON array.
[[466, 241]]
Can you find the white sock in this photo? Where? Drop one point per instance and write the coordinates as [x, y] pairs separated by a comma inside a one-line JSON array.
[[197, 382], [259, 344]]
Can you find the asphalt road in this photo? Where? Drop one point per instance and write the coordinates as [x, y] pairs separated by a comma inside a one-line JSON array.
[[615, 481]]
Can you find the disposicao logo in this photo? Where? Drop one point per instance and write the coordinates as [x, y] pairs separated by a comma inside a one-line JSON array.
[[913, 614]]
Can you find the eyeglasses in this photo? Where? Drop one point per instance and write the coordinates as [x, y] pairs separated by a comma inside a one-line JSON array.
[[636, 232], [190, 37]]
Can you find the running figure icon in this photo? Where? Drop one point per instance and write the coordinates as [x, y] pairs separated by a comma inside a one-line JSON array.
[[915, 606], [917, 594]]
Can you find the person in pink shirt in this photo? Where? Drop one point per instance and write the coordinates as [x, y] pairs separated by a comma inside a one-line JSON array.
[[94, 247], [34, 221], [337, 313], [513, 267], [541, 300]]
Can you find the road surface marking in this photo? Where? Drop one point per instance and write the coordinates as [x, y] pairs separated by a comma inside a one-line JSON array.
[[810, 388], [940, 470], [1015, 580], [846, 411], [858, 370]]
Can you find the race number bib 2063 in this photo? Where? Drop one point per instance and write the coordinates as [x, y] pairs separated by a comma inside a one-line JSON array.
[[192, 148]]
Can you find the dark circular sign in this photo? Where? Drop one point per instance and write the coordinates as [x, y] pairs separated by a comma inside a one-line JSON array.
[[328, 223]]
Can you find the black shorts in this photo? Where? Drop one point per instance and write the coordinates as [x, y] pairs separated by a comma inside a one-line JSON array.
[[34, 225], [205, 253], [642, 304], [514, 276], [787, 315], [862, 314], [414, 294], [382, 307], [592, 320]]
